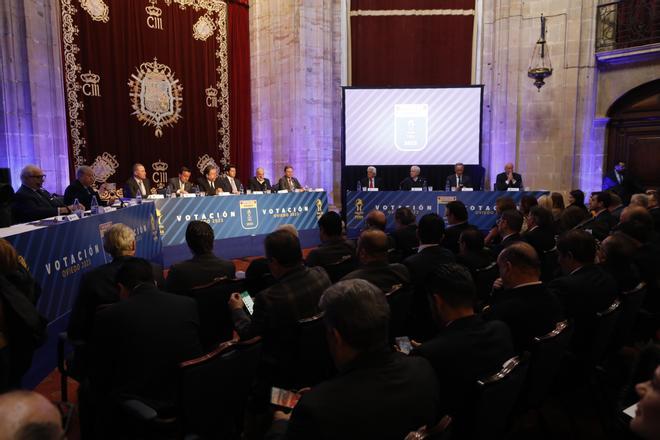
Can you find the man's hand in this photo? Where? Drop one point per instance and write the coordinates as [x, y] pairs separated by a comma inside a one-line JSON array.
[[498, 284], [281, 415], [235, 301]]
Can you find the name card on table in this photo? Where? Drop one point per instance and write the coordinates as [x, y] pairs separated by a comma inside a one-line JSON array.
[[257, 192], [70, 218], [372, 189], [282, 191], [319, 190], [155, 196], [186, 195], [417, 188], [513, 189], [223, 194], [467, 189]]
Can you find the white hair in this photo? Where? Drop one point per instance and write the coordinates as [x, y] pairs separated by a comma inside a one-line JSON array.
[[118, 239], [640, 200], [371, 170], [28, 170], [289, 228], [415, 168], [82, 170]]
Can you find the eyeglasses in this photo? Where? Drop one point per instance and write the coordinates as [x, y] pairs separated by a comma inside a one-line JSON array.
[[38, 176]]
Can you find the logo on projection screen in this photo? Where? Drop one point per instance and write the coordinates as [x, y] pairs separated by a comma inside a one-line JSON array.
[[411, 126]]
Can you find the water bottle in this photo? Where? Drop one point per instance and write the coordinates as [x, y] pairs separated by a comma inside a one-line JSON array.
[[94, 206], [168, 192], [196, 189], [359, 186], [138, 198], [77, 208]]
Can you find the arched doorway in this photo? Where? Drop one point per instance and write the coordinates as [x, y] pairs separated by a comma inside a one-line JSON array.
[[634, 133]]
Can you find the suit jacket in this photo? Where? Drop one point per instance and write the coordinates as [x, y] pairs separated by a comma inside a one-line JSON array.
[[378, 183], [451, 181], [406, 241], [131, 187], [330, 252], [584, 293], [254, 185], [84, 195], [502, 185], [506, 242], [407, 184], [541, 239], [420, 265], [616, 213], [284, 184], [655, 214], [381, 274], [226, 186], [600, 225], [462, 352], [452, 234], [381, 395], [625, 189], [529, 311], [30, 205], [175, 184], [199, 270], [204, 186], [139, 342]]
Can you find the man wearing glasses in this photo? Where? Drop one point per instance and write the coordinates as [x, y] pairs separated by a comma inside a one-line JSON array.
[[32, 202]]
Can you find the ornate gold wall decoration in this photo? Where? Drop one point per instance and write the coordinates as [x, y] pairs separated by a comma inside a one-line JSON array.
[[91, 84], [97, 9], [205, 161], [203, 28], [156, 96], [154, 20], [104, 166]]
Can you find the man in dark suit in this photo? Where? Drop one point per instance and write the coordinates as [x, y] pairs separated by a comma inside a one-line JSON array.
[[586, 288], [138, 344], [457, 222], [523, 303], [466, 348], [334, 247], [203, 267], [138, 182], [208, 182], [430, 254], [616, 207], [374, 265], [621, 182], [508, 227], [540, 233], [508, 179], [602, 221], [288, 182], [414, 181], [378, 393], [229, 183], [654, 208], [181, 184], [405, 232], [472, 253], [82, 189], [32, 202], [458, 180], [372, 181], [259, 182]]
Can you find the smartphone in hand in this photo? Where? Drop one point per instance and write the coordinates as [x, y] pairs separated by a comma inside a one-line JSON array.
[[248, 301], [403, 342], [283, 398]]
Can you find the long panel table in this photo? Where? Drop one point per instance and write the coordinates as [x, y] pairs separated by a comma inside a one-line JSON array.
[[480, 205], [58, 255]]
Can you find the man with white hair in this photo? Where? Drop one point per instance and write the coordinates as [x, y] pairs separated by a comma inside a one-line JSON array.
[[32, 202], [371, 181], [414, 181], [82, 188], [508, 179], [29, 415], [259, 182]]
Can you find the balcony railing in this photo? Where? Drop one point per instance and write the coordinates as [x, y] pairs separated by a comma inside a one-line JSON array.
[[627, 23]]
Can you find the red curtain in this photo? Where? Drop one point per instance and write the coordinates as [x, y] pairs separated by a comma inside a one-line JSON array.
[[411, 50], [104, 131]]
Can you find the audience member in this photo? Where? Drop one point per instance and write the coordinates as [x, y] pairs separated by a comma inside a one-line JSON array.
[[615, 255], [203, 267], [527, 202], [575, 213], [509, 225], [334, 247], [137, 345], [405, 232], [26, 415], [466, 348], [616, 207], [545, 201], [457, 222], [374, 265], [540, 232], [430, 254], [376, 219], [378, 393], [640, 200], [502, 204], [524, 303], [654, 208], [602, 221], [472, 252], [646, 422], [32, 202]]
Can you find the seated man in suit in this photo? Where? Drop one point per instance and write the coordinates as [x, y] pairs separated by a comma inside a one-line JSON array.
[[203, 267], [29, 415], [374, 265], [378, 393], [602, 221], [466, 348], [540, 232], [457, 222], [405, 232], [83, 190], [458, 180], [371, 181], [414, 181], [586, 288], [138, 182], [508, 179], [288, 182], [229, 183], [472, 253], [137, 346], [181, 184], [334, 247], [509, 225], [430, 254], [523, 302], [259, 182], [32, 202], [208, 183], [616, 207]]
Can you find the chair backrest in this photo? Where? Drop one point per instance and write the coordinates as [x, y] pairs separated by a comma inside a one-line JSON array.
[[215, 389], [313, 363], [605, 326], [340, 268], [495, 399], [546, 356], [399, 298], [549, 264], [631, 303], [212, 306], [484, 278]]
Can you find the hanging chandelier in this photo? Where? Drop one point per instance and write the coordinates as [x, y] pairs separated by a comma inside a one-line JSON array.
[[540, 66]]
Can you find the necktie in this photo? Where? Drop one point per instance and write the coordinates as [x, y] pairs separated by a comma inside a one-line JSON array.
[[618, 177], [233, 185], [181, 185], [371, 183], [290, 184], [142, 190], [212, 185], [459, 180]]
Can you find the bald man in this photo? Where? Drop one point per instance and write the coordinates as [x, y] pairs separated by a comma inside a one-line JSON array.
[[259, 182], [32, 202], [508, 179], [26, 414]]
